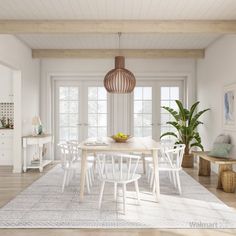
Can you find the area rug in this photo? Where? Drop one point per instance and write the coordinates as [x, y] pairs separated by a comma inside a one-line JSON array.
[[42, 205]]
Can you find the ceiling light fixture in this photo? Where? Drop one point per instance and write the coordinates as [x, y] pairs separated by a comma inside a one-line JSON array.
[[119, 80]]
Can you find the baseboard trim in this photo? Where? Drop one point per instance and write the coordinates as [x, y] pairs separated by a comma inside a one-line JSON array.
[[17, 170]]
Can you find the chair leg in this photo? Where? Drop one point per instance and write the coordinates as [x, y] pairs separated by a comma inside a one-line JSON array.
[[115, 191], [90, 177], [101, 194], [74, 174], [178, 182], [124, 196], [148, 175], [152, 178], [170, 176], [92, 174], [137, 191], [68, 177], [154, 188], [174, 178], [94, 165], [144, 164], [64, 180], [87, 182]]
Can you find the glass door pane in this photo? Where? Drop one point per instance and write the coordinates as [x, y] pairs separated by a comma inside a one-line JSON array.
[[142, 111], [168, 96], [97, 112], [68, 113]]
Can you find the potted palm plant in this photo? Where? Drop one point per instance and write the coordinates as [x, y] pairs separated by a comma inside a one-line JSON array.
[[185, 122]]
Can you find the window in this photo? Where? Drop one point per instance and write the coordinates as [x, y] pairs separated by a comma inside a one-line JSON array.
[[143, 111], [168, 97], [97, 112], [68, 113]]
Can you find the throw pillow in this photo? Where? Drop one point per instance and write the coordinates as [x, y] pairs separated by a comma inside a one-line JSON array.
[[222, 138], [220, 150]]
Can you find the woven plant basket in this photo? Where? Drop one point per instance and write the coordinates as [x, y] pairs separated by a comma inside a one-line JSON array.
[[188, 161], [228, 179]]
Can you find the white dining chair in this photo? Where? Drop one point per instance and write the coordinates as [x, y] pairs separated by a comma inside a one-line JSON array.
[[162, 158], [119, 169], [70, 163], [172, 165], [75, 147]]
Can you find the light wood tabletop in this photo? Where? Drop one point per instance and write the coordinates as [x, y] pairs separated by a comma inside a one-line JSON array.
[[134, 144]]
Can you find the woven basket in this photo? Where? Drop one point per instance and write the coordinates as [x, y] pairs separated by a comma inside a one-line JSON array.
[[228, 179], [188, 161], [120, 140]]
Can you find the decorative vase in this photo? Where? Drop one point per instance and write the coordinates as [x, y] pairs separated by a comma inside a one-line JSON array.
[[40, 129], [188, 161]]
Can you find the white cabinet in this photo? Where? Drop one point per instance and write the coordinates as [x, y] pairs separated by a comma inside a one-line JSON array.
[[6, 147]]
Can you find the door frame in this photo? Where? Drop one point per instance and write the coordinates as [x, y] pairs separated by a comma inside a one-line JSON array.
[[47, 96]]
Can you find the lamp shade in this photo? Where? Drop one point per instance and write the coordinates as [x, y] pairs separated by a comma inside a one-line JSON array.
[[119, 80], [36, 120]]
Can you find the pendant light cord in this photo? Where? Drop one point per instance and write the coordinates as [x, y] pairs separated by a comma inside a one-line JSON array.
[[119, 35]]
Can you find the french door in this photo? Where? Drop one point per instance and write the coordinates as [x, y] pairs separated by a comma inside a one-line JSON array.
[[149, 119], [81, 110]]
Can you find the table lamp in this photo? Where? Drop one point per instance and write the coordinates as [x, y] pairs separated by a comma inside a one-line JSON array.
[[36, 122]]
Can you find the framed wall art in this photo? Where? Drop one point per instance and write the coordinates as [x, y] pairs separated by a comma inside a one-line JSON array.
[[229, 107]]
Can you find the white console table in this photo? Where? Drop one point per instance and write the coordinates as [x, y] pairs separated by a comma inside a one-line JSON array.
[[39, 140]]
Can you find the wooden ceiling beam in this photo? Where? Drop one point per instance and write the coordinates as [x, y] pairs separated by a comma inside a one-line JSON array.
[[111, 26], [108, 53]]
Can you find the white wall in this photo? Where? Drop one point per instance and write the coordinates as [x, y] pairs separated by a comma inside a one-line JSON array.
[[5, 77], [97, 68], [5, 72], [213, 73], [16, 55]]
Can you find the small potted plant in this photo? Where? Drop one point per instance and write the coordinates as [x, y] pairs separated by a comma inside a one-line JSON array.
[[186, 123]]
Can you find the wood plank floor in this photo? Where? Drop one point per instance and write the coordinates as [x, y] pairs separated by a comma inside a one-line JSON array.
[[12, 184]]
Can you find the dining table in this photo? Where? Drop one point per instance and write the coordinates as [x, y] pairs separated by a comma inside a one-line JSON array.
[[144, 145]]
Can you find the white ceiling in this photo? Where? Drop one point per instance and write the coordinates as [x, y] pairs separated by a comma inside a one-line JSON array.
[[110, 41], [118, 9]]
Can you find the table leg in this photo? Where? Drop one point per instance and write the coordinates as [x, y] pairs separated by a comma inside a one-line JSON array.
[[144, 163], [83, 173], [204, 167], [156, 174], [222, 167], [40, 150], [25, 159], [94, 162], [52, 149]]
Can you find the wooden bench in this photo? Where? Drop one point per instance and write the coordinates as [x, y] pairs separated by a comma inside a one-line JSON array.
[[205, 165]]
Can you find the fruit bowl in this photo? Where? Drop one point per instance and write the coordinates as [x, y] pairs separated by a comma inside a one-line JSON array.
[[120, 138]]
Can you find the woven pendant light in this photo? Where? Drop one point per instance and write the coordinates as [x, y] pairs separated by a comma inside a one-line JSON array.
[[119, 80]]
